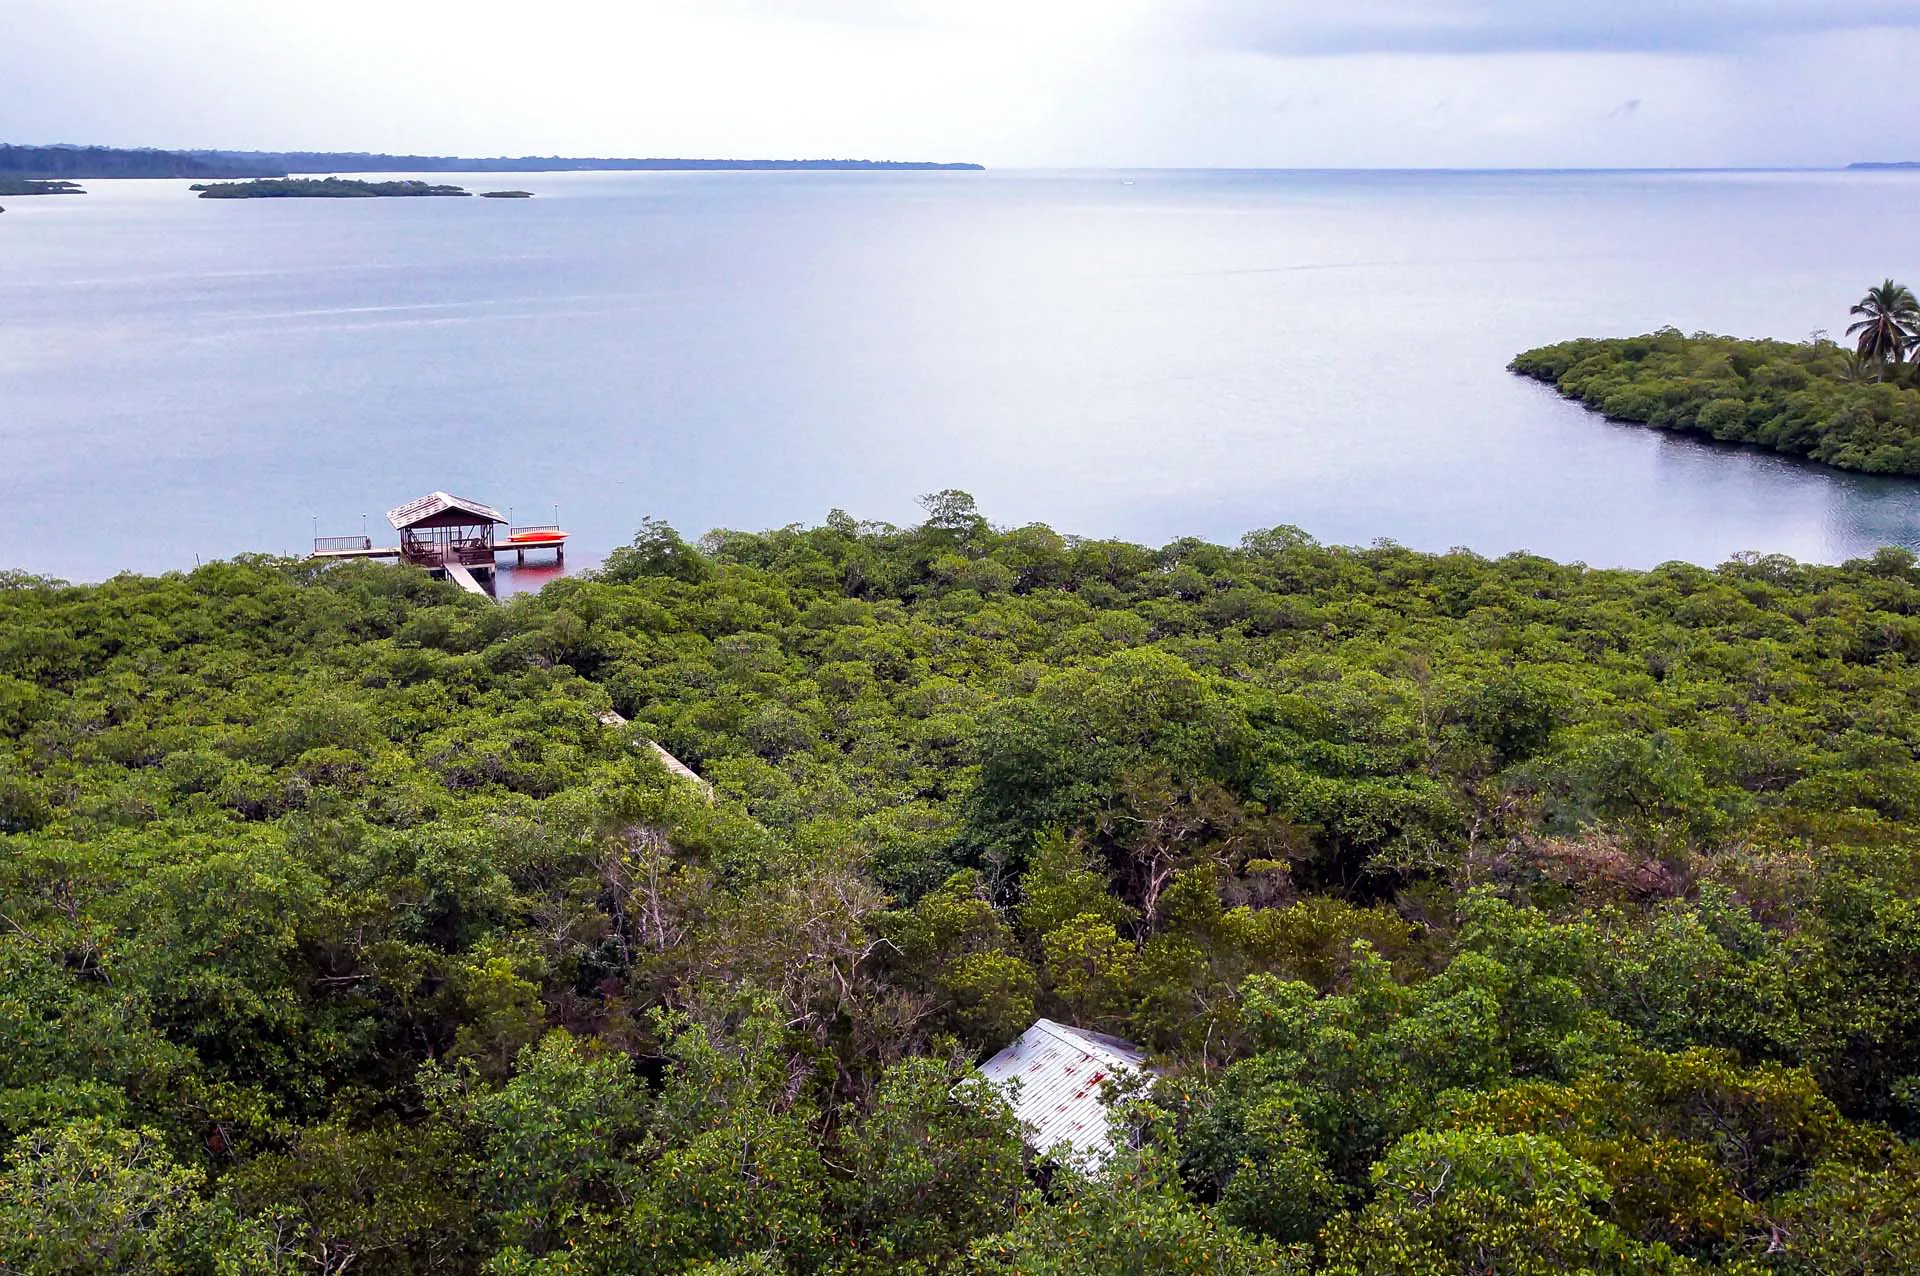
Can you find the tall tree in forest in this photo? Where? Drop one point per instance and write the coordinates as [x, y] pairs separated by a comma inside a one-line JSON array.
[[1889, 324]]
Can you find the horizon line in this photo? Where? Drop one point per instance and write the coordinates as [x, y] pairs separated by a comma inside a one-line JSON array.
[[959, 165]]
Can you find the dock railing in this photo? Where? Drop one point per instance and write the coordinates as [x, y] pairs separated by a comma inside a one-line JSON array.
[[339, 544], [534, 529]]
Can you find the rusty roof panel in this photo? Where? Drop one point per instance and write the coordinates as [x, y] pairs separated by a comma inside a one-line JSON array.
[[1054, 1074]]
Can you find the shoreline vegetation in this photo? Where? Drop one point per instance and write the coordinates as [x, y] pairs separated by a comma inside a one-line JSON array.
[[325, 188], [1854, 409], [91, 162], [108, 162], [36, 186], [357, 162], [1480, 914]]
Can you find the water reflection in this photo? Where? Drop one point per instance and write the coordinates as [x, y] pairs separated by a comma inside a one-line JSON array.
[[1805, 510], [510, 579]]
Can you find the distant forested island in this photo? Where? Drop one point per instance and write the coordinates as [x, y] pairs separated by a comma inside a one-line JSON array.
[[105, 161], [1854, 409], [358, 162], [77, 162], [32, 186], [1873, 165], [323, 188]]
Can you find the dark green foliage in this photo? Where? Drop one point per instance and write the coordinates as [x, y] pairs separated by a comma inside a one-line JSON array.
[[1484, 915], [1133, 1217], [1814, 400], [934, 1165], [320, 188], [84, 162], [32, 186], [279, 162], [656, 550], [1471, 1201]]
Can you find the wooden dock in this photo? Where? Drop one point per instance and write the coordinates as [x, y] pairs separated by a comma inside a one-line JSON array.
[[450, 536], [357, 550], [454, 537]]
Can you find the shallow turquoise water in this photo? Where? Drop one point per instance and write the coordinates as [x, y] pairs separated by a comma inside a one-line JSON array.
[[1145, 355]]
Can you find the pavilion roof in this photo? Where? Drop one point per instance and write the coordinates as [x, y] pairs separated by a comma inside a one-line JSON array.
[[439, 503]]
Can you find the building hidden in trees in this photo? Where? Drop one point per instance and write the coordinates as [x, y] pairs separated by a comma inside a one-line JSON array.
[[1055, 1076]]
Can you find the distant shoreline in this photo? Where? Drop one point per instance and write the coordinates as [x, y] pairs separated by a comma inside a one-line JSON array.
[[322, 188], [103, 162], [349, 162], [32, 186]]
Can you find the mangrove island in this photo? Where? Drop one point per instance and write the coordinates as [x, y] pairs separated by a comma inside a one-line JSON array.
[[35, 186], [1854, 409], [321, 188]]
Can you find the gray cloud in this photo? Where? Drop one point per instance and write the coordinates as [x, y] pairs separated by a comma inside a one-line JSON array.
[[1317, 28], [1471, 83]]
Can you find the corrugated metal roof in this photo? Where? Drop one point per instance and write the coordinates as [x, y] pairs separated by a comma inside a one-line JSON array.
[[437, 503], [1060, 1071]]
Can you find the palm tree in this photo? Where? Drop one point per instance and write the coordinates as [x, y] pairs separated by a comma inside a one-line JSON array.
[[1890, 323], [1858, 369]]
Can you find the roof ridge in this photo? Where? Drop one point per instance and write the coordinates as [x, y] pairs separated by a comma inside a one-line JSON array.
[[1055, 1028], [1088, 1041], [436, 502]]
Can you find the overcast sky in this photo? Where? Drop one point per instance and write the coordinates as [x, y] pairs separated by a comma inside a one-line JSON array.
[[1005, 82]]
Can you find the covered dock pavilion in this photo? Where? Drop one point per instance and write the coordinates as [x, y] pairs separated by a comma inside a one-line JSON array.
[[449, 535]]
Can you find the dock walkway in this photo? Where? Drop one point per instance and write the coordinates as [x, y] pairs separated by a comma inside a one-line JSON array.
[[614, 718], [360, 548], [459, 575]]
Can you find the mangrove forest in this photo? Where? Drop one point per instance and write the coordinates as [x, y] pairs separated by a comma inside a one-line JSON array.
[[1477, 915]]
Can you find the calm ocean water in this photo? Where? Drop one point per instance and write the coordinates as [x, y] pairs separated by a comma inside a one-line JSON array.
[[1145, 355]]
